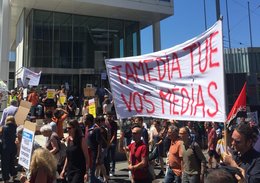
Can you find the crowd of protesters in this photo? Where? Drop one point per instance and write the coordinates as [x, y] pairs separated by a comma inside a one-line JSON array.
[[184, 151]]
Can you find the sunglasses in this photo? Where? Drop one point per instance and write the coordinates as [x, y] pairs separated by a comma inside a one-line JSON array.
[[68, 128]]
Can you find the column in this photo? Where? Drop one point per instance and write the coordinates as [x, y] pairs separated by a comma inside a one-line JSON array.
[[156, 37]]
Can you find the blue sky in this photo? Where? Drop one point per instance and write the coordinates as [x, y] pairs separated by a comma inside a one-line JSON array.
[[188, 21]]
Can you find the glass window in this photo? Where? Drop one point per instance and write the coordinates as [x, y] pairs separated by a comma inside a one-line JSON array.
[[62, 40], [60, 79], [42, 39]]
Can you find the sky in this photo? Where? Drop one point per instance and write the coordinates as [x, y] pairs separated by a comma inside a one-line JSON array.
[[188, 21]]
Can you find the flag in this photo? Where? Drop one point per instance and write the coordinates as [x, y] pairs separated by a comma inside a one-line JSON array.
[[240, 105]]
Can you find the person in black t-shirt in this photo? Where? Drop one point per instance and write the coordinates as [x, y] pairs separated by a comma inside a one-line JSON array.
[[94, 144]]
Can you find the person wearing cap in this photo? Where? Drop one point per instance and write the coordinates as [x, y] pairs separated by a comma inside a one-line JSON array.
[[9, 111]]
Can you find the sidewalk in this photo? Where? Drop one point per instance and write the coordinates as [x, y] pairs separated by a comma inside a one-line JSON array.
[[121, 174]]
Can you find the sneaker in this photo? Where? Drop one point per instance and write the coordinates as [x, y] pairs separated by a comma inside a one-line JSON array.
[[100, 178], [161, 174], [129, 175], [111, 174]]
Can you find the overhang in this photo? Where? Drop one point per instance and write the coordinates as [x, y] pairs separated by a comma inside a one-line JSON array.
[[146, 12]]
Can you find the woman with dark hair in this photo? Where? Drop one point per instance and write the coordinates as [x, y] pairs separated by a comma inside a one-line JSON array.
[[77, 160], [9, 149]]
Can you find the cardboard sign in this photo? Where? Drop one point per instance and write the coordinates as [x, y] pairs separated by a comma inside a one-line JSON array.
[[92, 107], [22, 112], [51, 93], [89, 92], [27, 144], [185, 82]]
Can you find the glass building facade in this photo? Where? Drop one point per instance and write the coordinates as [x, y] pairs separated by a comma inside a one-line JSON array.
[[69, 41]]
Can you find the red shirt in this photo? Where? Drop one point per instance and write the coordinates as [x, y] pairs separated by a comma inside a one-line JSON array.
[[33, 98], [175, 156], [137, 152]]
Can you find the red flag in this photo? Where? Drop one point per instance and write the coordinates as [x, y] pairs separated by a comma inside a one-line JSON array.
[[240, 104]]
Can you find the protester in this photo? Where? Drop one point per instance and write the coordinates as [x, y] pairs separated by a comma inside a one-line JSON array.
[[94, 143], [59, 117], [48, 103], [71, 108], [138, 157], [52, 142], [9, 149], [220, 148], [107, 105], [139, 121], [111, 151], [18, 141], [85, 109], [245, 157], [212, 142], [33, 97], [59, 94], [11, 97], [156, 140], [9, 111], [101, 169], [77, 158], [48, 120], [194, 162], [174, 171], [42, 168]]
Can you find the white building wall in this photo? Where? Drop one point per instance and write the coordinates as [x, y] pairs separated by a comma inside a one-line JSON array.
[[19, 46], [145, 5], [4, 39]]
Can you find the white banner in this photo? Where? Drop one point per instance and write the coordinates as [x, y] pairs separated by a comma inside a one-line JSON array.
[[185, 82], [26, 148], [29, 77]]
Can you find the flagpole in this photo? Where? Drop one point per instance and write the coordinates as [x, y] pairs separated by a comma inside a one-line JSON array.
[[225, 90]]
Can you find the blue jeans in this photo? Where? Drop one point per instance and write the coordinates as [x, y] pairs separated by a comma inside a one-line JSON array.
[[93, 178], [190, 178], [111, 155], [171, 177]]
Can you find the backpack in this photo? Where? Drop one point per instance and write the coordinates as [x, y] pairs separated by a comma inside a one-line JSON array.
[[194, 151]]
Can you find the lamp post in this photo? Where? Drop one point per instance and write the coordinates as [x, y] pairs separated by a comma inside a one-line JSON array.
[[229, 42], [249, 22], [205, 15], [217, 10]]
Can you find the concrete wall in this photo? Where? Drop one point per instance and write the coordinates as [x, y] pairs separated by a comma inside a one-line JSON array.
[[4, 39]]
